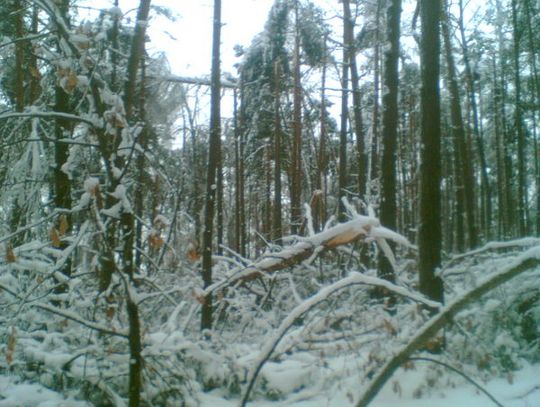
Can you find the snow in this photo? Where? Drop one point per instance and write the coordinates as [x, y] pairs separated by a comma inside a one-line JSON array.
[[17, 394], [90, 184], [402, 390]]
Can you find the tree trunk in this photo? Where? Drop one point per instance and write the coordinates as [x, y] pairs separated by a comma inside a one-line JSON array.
[[430, 234], [342, 171], [214, 153], [390, 121], [520, 132], [296, 173], [277, 231], [62, 183], [18, 12], [458, 131], [486, 185], [357, 113], [375, 118]]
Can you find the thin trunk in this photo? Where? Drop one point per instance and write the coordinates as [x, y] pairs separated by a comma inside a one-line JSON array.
[[296, 173], [486, 186], [18, 11], [213, 160], [430, 234], [458, 132], [520, 131], [357, 114], [376, 85], [342, 182], [237, 176], [320, 215], [62, 183], [277, 231]]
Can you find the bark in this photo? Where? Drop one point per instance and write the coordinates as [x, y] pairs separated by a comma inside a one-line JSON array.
[[388, 207], [214, 154], [430, 234]]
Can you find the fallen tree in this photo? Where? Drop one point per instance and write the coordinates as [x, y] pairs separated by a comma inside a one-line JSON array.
[[308, 248]]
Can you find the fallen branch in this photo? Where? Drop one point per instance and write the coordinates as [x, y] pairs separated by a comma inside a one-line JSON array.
[[360, 227], [353, 279], [525, 262]]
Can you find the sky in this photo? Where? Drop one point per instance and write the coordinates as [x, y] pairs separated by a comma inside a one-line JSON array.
[[187, 41]]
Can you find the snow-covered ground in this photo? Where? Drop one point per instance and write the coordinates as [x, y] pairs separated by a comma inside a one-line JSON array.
[[524, 391]]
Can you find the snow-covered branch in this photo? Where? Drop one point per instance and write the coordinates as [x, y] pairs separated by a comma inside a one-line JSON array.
[[77, 318], [194, 81], [48, 115], [353, 279], [525, 262], [360, 227]]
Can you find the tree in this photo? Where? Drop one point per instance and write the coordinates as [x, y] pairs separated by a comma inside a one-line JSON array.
[[430, 234], [463, 162], [214, 157], [388, 206], [343, 132]]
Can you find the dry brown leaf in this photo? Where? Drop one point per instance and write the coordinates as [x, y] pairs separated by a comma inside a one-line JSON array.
[[55, 237], [71, 82], [201, 299], [63, 225], [155, 241], [12, 342], [110, 313], [10, 255], [193, 254]]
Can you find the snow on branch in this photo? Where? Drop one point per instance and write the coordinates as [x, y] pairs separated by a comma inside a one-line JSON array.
[[359, 227], [48, 115], [354, 278], [194, 81], [524, 262], [523, 242], [77, 318]]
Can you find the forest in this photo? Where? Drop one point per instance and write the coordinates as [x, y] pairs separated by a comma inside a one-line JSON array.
[[352, 217]]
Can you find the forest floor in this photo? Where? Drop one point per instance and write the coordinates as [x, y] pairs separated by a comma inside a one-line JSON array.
[[524, 391]]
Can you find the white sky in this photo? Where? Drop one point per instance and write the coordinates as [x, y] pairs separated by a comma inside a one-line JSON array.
[[189, 53]]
